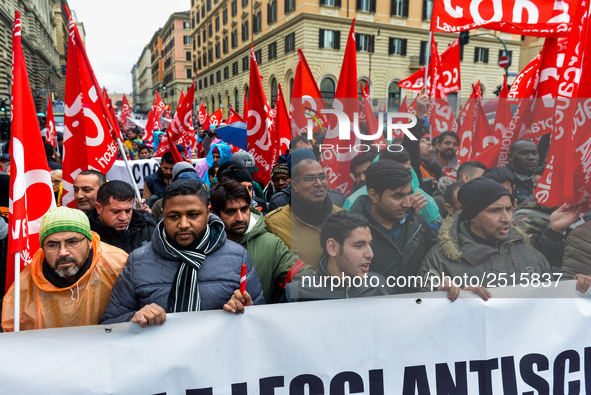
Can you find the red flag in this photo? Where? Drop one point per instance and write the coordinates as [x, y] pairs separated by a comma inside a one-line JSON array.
[[125, 110], [281, 126], [31, 192], [306, 100], [466, 131], [441, 116], [88, 143], [116, 131], [234, 117], [181, 129], [153, 119], [566, 177], [216, 118], [544, 18], [182, 97], [202, 115], [450, 72], [167, 113], [50, 133], [335, 162], [259, 141], [245, 109]]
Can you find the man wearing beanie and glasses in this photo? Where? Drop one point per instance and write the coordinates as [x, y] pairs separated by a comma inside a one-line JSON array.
[[69, 281], [480, 241]]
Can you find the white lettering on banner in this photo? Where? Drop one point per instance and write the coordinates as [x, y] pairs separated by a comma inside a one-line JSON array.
[[497, 6], [585, 151], [542, 192], [281, 343]]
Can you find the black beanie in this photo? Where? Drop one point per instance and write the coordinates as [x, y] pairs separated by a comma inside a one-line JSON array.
[[237, 173], [479, 193]]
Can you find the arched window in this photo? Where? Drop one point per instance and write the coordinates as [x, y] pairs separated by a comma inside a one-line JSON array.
[[360, 85], [212, 110], [273, 92], [290, 88], [393, 96], [236, 101], [246, 94], [327, 90]]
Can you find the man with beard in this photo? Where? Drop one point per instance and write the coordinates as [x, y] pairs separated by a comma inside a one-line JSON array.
[[156, 183], [246, 226], [447, 146], [189, 265], [298, 223], [524, 157], [69, 280]]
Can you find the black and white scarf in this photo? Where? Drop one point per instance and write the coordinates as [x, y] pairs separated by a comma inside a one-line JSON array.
[[184, 295]]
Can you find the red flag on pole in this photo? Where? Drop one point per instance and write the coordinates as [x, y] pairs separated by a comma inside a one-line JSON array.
[[153, 119], [50, 133], [258, 140], [31, 192], [281, 126], [125, 110], [450, 72], [245, 109], [88, 143], [215, 118], [202, 115], [234, 117], [306, 100]]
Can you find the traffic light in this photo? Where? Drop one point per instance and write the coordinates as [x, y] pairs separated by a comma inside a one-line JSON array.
[[163, 87], [2, 105], [464, 37]]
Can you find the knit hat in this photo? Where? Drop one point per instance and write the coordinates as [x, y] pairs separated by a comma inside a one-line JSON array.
[[280, 168], [298, 155], [479, 193], [181, 167], [64, 219], [234, 171], [246, 160]]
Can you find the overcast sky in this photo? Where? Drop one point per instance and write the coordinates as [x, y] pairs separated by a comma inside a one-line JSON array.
[[117, 31]]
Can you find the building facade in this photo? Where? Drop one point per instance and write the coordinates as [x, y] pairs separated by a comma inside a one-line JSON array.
[[142, 82], [391, 38]]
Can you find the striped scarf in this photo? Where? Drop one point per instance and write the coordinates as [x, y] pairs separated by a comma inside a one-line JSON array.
[[184, 295]]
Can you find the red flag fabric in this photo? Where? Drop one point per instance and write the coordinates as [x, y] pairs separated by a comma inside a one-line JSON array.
[[306, 100], [125, 110], [258, 139], [334, 161], [544, 18], [181, 129], [216, 118], [234, 117], [31, 192], [153, 119], [450, 80], [281, 126], [245, 109], [167, 113], [50, 133], [440, 115], [116, 131], [202, 115], [566, 177], [88, 143], [466, 131]]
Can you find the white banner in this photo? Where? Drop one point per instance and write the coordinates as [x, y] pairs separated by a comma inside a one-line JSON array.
[[418, 344], [140, 168]]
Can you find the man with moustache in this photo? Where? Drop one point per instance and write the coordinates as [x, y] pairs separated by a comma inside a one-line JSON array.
[[447, 145], [524, 158], [272, 260], [86, 186], [69, 280], [189, 265]]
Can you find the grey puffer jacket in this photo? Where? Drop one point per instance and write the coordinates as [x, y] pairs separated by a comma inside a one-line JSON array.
[[458, 253], [150, 271]]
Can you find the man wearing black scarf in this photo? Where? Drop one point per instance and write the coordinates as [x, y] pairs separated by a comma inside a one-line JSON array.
[[298, 224]]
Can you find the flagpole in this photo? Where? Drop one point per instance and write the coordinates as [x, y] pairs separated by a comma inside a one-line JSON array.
[[17, 292], [427, 60], [106, 111]]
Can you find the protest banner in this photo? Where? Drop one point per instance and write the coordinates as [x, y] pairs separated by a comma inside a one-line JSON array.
[[415, 344]]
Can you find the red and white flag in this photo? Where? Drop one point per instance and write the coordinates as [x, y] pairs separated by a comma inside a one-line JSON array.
[[234, 117], [153, 119], [568, 170], [125, 110], [245, 109], [202, 115], [544, 18], [334, 161], [31, 193], [50, 133], [450, 80], [258, 142], [116, 131], [440, 115], [181, 129], [306, 100], [88, 140], [281, 127], [216, 118]]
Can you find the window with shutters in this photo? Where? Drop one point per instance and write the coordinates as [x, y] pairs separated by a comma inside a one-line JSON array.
[[272, 50], [211, 79], [235, 68], [204, 60], [366, 5], [217, 50], [364, 42], [205, 82], [234, 38], [208, 5], [289, 5], [258, 55], [199, 63], [272, 12], [188, 73], [218, 76], [226, 72], [210, 55], [257, 22], [244, 3], [427, 9], [397, 46], [187, 40], [423, 53], [203, 11], [200, 85], [480, 55], [234, 7], [217, 23], [188, 55], [290, 44], [245, 63], [245, 30], [198, 40], [210, 29], [329, 39], [399, 8], [225, 45], [225, 16], [331, 3]]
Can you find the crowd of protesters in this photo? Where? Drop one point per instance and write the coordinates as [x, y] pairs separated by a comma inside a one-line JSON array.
[[413, 214]]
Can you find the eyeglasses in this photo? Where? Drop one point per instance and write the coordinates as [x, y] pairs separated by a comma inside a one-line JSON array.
[[311, 178], [54, 246]]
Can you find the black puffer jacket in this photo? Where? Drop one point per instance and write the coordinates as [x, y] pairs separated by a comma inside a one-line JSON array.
[[137, 234], [150, 270], [283, 198]]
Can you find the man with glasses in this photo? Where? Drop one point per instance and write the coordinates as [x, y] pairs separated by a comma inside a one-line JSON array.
[[69, 280], [298, 224]]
